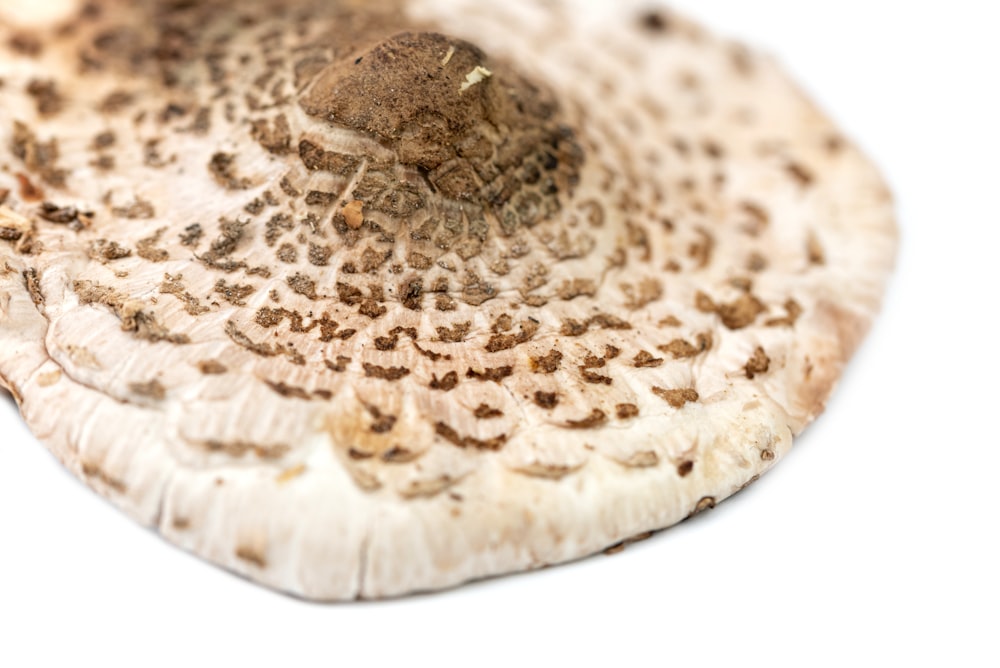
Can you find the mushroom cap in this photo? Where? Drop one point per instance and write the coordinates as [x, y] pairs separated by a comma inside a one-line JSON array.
[[361, 300]]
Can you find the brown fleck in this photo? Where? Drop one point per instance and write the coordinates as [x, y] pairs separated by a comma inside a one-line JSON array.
[[29, 191], [276, 227], [139, 209], [802, 175], [454, 334], [372, 309], [411, 294], [446, 383], [26, 44], [642, 293], [503, 323], [39, 157], [681, 349], [191, 235], [268, 317], [704, 303], [626, 411], [759, 217], [241, 448], [449, 434], [638, 237], [495, 374], [143, 324], [235, 294], [547, 400], [319, 255], [316, 159], [349, 294], [212, 367], [372, 259], [756, 262], [814, 250], [152, 389], [173, 285], [418, 261], [340, 365], [548, 363], [115, 102], [222, 169], [572, 327], [251, 555], [758, 363], [289, 391], [151, 154], [735, 315], [65, 215], [147, 250], [92, 470], [320, 198], [48, 101], [15, 229], [701, 250], [742, 312], [606, 321], [276, 138], [427, 488], [444, 303], [202, 122], [386, 342], [643, 360], [399, 455], [486, 412], [262, 349], [676, 398], [287, 253], [595, 378], [290, 473], [547, 471], [381, 423], [303, 285], [577, 287], [385, 373], [596, 418], [685, 468], [33, 285], [500, 342], [429, 354], [255, 206], [654, 21], [638, 538], [792, 312]]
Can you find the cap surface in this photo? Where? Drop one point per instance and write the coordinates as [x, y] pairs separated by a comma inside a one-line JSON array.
[[357, 301]]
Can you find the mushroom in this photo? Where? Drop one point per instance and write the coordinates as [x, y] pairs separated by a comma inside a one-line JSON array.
[[357, 299]]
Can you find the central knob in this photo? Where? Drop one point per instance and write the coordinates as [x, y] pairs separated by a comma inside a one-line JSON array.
[[479, 132], [419, 92]]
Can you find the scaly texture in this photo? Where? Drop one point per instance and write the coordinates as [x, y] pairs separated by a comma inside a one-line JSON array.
[[358, 301]]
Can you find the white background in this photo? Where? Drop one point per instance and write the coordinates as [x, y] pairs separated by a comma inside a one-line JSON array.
[[873, 543]]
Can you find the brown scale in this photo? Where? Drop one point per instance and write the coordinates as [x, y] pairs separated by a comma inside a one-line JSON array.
[[460, 173]]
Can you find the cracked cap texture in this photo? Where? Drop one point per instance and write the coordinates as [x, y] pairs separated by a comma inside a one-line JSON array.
[[359, 299]]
